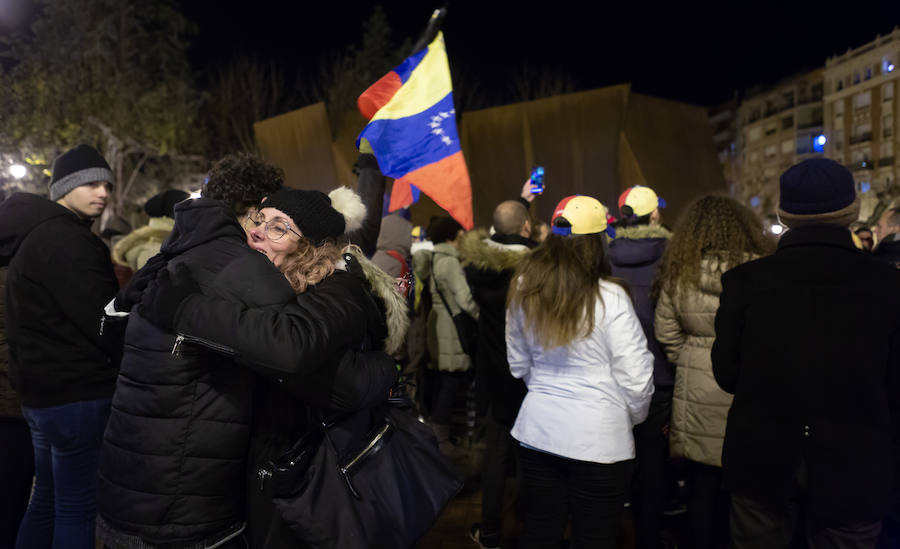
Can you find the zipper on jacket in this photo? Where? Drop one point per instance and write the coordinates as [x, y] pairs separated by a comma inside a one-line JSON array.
[[179, 339], [211, 345]]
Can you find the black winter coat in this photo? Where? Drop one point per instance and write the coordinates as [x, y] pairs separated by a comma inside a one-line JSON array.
[[173, 458], [60, 277], [489, 268], [305, 349], [808, 341], [634, 255]]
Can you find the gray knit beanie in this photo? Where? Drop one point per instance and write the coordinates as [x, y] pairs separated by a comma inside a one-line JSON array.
[[77, 167]]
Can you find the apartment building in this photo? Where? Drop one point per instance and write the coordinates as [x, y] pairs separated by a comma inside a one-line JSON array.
[[724, 121], [860, 117], [779, 126]]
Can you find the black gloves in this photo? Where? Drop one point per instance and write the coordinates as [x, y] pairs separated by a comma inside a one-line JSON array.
[[164, 295], [130, 295]]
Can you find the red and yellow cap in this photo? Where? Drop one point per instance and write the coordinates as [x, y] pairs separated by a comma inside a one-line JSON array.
[[578, 215], [639, 201]]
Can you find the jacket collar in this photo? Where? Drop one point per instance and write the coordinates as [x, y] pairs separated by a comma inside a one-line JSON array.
[[818, 235], [513, 239]]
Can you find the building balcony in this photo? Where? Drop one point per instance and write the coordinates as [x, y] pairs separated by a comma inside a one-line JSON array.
[[861, 165], [809, 124], [862, 138], [885, 161]]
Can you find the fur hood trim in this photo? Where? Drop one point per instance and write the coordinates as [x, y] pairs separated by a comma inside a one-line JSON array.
[[158, 229], [478, 250], [642, 231], [396, 308]]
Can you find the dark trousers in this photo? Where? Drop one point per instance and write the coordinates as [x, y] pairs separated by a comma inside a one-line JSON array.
[[16, 475], [555, 488], [498, 453], [649, 486], [707, 506], [449, 384], [766, 525], [63, 509]]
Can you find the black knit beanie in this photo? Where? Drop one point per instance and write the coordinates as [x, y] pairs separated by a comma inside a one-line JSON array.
[[818, 190], [310, 211], [162, 204], [76, 167]]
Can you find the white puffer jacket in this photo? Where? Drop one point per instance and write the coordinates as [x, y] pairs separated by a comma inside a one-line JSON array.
[[584, 398]]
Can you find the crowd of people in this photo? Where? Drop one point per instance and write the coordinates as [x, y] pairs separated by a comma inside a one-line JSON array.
[[145, 390]]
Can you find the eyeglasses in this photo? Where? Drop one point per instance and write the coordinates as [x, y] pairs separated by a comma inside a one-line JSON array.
[[275, 229]]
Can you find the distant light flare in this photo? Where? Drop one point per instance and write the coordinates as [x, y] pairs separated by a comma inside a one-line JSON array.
[[18, 171]]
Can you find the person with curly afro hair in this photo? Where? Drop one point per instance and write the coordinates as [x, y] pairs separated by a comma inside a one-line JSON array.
[[241, 181]]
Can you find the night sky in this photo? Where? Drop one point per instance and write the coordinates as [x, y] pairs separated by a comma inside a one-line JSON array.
[[698, 54]]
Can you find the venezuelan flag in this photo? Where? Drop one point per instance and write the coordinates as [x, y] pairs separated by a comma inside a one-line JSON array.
[[412, 131]]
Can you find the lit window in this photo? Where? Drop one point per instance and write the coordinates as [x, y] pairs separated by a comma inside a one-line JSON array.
[[868, 73], [864, 186], [755, 202]]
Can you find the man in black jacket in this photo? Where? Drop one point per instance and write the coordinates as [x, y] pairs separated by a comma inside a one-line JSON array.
[[62, 367], [634, 255], [815, 410], [489, 264]]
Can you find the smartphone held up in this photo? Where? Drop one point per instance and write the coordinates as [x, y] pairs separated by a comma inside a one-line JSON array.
[[537, 180]]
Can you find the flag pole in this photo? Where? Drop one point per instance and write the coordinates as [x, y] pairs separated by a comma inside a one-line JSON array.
[[434, 25]]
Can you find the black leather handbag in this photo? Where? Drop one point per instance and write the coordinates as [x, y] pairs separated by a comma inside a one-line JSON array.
[[384, 491]]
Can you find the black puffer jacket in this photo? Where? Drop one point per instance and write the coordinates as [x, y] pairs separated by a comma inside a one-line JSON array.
[[635, 254], [303, 348], [173, 458], [60, 277], [489, 264]]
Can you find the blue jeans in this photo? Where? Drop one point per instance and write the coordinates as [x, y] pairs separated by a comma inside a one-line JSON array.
[[63, 508]]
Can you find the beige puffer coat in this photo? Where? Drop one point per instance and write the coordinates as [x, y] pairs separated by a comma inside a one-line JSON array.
[[685, 326], [141, 244], [442, 266]]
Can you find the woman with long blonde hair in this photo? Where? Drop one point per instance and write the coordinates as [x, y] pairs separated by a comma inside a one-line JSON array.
[[715, 234], [572, 335]]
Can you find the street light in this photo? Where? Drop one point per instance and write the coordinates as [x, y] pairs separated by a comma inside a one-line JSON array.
[[18, 171], [776, 228]]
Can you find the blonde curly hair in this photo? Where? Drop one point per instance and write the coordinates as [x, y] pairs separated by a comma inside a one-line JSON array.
[[310, 264]]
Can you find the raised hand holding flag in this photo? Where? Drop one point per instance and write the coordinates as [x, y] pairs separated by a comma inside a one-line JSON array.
[[412, 132]]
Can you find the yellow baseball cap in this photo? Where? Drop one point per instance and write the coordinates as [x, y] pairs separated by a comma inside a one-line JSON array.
[[639, 201], [578, 215]]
